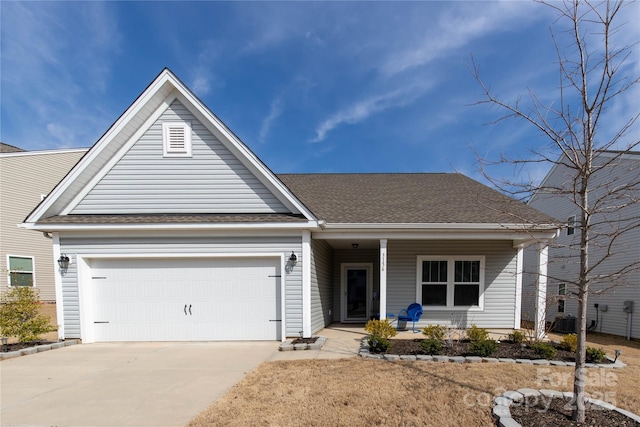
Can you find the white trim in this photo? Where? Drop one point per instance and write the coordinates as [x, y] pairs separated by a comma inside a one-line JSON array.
[[306, 283], [85, 294], [33, 270], [43, 152], [517, 314], [383, 279], [442, 226], [57, 279], [522, 238], [343, 289], [171, 226], [541, 291], [451, 259]]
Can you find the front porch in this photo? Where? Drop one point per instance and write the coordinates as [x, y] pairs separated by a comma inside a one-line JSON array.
[[355, 279]]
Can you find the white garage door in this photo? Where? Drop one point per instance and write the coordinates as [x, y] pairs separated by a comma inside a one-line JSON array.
[[186, 299]]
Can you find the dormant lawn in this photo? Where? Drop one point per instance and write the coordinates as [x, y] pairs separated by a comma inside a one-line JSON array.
[[363, 392]]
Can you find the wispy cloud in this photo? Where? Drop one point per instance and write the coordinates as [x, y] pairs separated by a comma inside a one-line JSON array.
[[40, 86], [275, 111], [363, 109]]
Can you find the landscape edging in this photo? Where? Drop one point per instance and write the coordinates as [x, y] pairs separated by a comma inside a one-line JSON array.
[[37, 349], [502, 414], [365, 353]]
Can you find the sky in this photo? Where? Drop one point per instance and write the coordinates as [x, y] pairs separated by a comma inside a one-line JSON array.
[[308, 86]]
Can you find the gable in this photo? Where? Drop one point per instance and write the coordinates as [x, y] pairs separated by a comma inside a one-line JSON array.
[[204, 170], [210, 179]]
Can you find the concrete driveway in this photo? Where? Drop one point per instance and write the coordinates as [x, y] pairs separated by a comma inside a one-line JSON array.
[[123, 384]]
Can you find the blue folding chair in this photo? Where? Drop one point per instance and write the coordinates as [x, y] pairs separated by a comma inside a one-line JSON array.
[[411, 314]]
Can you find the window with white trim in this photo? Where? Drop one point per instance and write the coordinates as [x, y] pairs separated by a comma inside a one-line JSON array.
[[21, 271], [449, 282], [176, 139]]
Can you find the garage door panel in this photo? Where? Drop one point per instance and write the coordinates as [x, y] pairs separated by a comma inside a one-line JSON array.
[[186, 299]]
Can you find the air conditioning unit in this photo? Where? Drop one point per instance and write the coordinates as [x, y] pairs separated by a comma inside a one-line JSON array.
[[565, 325]]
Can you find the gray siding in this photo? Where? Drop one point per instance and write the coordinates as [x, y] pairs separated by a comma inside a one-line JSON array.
[[213, 180], [74, 246], [563, 264], [22, 183], [500, 279], [321, 285]]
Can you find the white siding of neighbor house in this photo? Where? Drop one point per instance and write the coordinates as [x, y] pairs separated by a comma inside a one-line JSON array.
[[321, 285], [499, 286], [564, 264], [158, 245], [22, 184], [212, 180]]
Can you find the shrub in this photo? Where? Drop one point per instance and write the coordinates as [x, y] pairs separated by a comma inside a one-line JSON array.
[[431, 346], [380, 331], [20, 315], [569, 342], [477, 334], [595, 355], [435, 332], [517, 337], [378, 344], [544, 349], [483, 348]]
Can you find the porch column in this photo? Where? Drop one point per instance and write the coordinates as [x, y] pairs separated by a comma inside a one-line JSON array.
[[383, 279], [541, 290], [306, 283], [517, 315], [57, 280]]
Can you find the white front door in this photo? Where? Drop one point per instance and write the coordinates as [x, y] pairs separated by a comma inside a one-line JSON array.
[[356, 292], [186, 299]]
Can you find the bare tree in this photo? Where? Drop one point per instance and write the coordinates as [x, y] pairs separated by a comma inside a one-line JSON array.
[[592, 75]]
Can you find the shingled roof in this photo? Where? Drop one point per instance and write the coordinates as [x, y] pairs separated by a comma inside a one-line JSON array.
[[412, 198]]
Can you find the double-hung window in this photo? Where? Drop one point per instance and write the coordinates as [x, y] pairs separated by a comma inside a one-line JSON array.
[[450, 282], [21, 272]]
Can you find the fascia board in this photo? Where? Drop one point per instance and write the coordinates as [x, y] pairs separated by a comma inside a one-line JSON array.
[[410, 227], [43, 152], [152, 90], [169, 227]]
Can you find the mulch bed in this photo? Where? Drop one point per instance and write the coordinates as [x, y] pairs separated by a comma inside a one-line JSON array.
[[504, 349], [21, 345], [543, 411]]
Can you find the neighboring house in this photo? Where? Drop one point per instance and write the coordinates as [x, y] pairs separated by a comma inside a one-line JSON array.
[[26, 177], [622, 171], [175, 230]]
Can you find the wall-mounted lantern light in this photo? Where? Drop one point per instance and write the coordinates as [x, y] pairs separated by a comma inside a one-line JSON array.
[[293, 259], [63, 262]]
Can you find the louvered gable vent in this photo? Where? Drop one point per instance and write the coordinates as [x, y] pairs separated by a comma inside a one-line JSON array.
[[176, 139]]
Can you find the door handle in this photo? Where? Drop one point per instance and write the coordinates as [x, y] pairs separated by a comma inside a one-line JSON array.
[[190, 310], [185, 309]]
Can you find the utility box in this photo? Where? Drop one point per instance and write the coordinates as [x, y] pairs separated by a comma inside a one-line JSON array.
[[604, 307], [627, 306], [565, 325]]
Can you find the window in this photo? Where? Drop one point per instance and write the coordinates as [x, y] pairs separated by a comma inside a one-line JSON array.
[[571, 225], [21, 271], [562, 291], [176, 139], [449, 282]]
